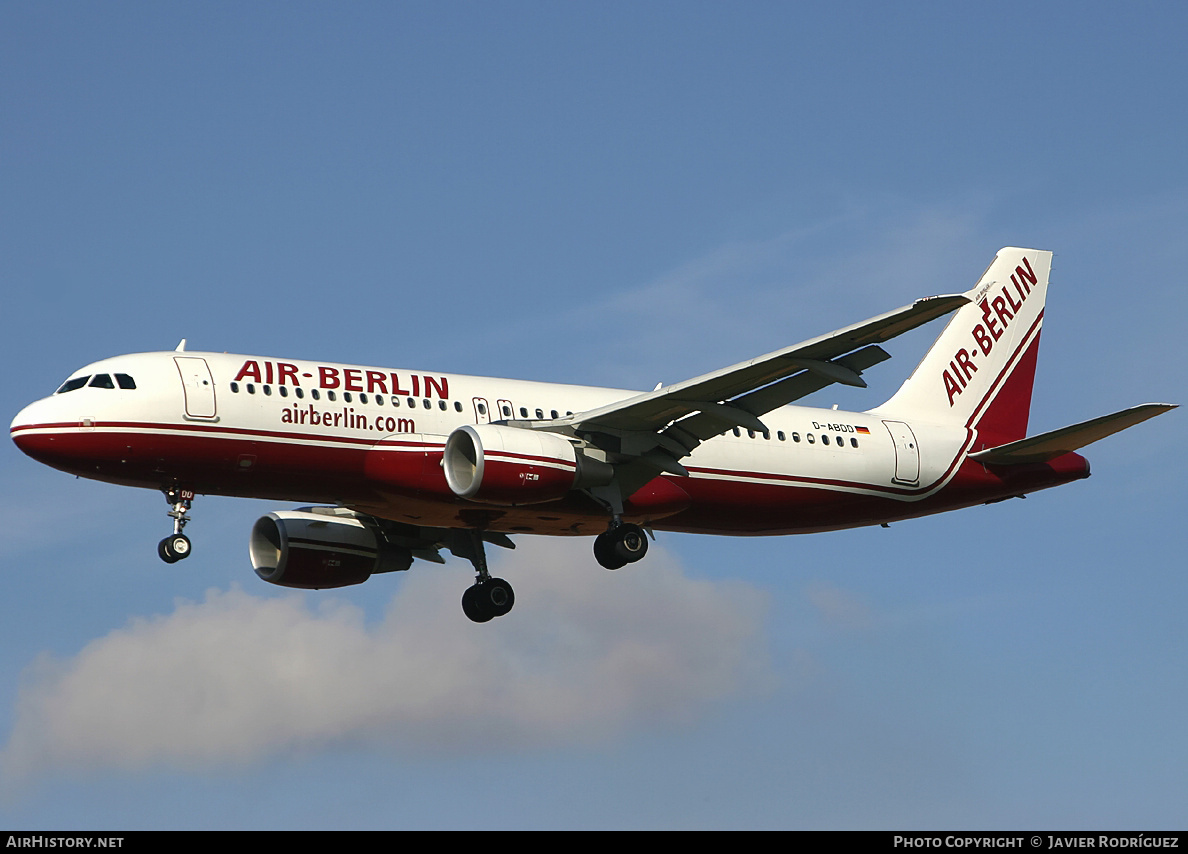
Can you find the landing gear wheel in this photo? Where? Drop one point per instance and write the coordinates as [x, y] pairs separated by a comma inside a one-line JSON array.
[[472, 608], [631, 543], [604, 552], [174, 547], [488, 599], [498, 596], [620, 545]]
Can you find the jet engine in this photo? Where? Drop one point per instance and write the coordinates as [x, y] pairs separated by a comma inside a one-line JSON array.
[[321, 547], [495, 464]]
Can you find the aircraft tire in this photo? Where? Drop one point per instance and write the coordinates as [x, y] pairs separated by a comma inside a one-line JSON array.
[[630, 542], [605, 553], [472, 607], [174, 547], [498, 596], [487, 600]]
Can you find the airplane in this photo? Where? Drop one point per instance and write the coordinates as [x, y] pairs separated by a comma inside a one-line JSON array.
[[401, 464]]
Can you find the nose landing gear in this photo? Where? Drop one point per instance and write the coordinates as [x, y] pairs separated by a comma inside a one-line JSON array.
[[177, 545]]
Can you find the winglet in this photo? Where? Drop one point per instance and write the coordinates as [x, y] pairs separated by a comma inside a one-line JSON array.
[[181, 346]]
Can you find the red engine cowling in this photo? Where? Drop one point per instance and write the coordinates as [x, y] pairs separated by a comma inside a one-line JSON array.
[[311, 550], [495, 464]]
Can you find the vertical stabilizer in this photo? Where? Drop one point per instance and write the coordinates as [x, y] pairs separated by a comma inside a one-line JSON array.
[[980, 371]]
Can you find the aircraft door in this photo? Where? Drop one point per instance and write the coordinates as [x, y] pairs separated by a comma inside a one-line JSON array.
[[198, 385], [482, 412], [907, 452]]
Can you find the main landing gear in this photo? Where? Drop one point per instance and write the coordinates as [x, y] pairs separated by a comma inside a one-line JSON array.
[[177, 545], [620, 544], [488, 597]]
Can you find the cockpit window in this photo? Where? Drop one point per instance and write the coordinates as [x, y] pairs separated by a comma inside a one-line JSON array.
[[97, 381], [72, 384]]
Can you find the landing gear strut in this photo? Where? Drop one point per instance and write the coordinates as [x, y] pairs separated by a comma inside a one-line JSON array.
[[177, 545], [488, 597], [620, 544]]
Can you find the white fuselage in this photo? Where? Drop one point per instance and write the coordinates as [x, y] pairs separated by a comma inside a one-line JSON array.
[[371, 439]]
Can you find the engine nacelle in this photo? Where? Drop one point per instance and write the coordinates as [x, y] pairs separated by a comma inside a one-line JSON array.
[[503, 465], [312, 550]]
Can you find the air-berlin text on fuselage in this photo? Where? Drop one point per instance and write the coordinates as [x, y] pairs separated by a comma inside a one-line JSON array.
[[347, 379], [999, 310]]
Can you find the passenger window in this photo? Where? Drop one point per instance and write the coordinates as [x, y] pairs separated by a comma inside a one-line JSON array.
[[795, 437], [523, 411], [553, 414], [315, 394], [379, 400], [346, 397], [853, 442], [362, 398], [300, 394], [540, 414], [428, 403], [395, 401], [331, 396], [284, 392], [811, 439], [71, 385], [824, 439], [235, 388], [737, 432], [125, 381], [251, 388], [102, 381], [506, 411], [441, 404], [780, 435], [457, 406], [267, 390]]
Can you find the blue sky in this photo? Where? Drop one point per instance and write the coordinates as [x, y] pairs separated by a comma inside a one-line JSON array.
[[615, 194]]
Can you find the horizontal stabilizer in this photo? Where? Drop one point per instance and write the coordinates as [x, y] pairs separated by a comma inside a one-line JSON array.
[[1048, 446]]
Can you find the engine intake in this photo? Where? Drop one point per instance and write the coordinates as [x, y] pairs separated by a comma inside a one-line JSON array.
[[495, 464], [311, 550]]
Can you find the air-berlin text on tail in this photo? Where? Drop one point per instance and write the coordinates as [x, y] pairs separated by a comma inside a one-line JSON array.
[[347, 379], [999, 309]]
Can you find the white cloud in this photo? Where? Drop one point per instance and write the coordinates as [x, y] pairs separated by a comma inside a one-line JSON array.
[[840, 608], [238, 677]]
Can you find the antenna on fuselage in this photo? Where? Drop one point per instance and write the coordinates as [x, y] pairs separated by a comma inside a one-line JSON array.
[[181, 346]]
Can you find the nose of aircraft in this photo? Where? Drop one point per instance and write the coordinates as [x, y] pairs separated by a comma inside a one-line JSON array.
[[24, 429], [22, 420]]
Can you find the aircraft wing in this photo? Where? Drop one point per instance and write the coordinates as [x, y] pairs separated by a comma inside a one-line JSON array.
[[711, 404], [1048, 446]]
